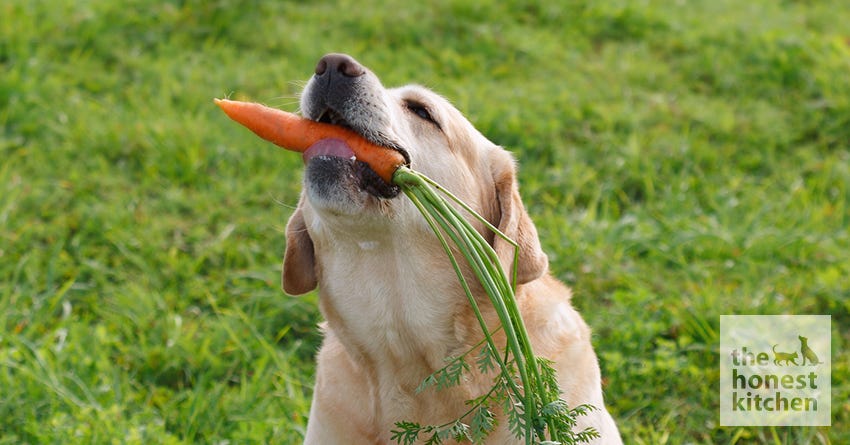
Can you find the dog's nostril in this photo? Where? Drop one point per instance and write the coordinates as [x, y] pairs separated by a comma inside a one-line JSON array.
[[321, 67], [340, 63], [350, 70]]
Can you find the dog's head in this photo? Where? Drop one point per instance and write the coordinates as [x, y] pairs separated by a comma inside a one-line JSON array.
[[344, 198]]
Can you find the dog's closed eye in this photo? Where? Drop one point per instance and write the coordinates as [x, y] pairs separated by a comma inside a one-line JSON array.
[[421, 111]]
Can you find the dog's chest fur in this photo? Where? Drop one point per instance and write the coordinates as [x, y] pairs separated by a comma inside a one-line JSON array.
[[391, 307]]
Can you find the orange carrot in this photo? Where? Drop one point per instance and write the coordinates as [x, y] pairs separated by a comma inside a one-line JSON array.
[[296, 133]]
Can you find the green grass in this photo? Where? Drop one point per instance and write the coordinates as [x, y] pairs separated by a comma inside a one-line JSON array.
[[682, 160]]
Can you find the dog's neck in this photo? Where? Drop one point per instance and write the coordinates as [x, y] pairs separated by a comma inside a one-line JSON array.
[[389, 300]]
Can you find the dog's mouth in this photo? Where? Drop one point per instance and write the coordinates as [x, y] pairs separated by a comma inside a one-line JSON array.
[[331, 116], [336, 152]]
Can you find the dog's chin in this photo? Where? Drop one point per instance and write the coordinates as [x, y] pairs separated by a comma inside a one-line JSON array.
[[344, 186]]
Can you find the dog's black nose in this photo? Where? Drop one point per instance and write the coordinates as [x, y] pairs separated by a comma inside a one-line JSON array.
[[339, 63]]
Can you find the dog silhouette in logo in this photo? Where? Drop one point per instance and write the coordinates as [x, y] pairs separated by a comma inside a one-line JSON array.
[[807, 352], [787, 357]]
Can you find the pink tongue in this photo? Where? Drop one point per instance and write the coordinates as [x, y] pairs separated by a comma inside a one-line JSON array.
[[328, 147]]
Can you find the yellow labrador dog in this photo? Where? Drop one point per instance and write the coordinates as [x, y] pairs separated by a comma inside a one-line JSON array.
[[393, 304]]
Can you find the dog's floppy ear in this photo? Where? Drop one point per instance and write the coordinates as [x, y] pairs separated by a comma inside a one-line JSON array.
[[299, 260], [513, 221]]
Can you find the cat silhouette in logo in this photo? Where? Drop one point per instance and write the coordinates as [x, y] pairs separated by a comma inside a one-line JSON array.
[[787, 357], [807, 352]]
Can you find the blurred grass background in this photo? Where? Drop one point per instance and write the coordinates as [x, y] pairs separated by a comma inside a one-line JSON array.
[[682, 160]]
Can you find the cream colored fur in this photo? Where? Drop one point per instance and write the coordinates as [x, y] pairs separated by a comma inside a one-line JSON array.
[[394, 308]]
